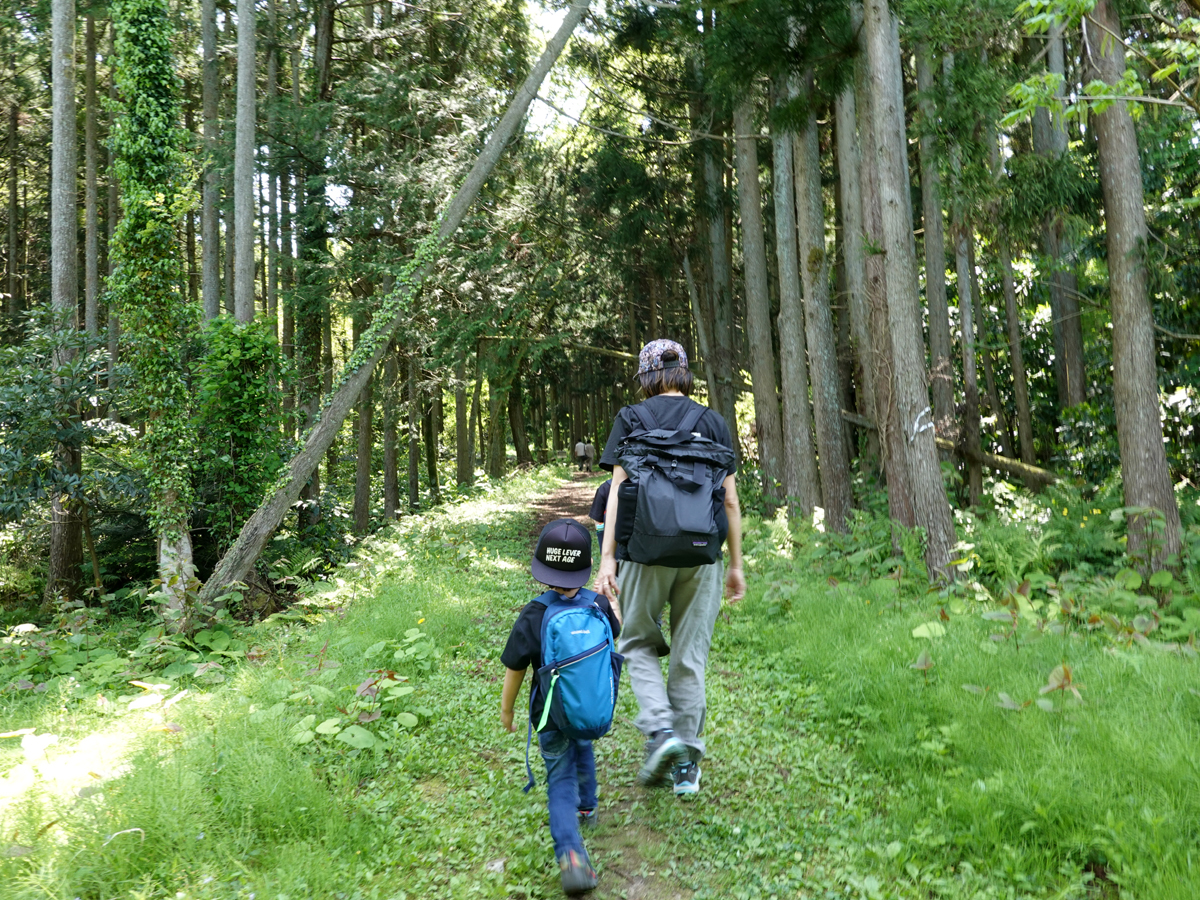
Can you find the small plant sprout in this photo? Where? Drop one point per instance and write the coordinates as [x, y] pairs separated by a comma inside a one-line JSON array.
[[923, 664], [1060, 680]]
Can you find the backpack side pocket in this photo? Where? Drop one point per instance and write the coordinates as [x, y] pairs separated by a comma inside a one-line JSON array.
[[627, 497]]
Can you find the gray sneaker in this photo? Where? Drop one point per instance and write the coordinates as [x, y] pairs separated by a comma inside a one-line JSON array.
[[588, 818], [663, 751], [578, 876], [687, 779]]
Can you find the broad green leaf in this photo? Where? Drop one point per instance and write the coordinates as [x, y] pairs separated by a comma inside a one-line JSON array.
[[330, 726], [1162, 579], [374, 649], [408, 720], [929, 630], [399, 690], [357, 736], [304, 737]]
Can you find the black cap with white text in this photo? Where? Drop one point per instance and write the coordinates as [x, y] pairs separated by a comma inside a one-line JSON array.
[[563, 557]]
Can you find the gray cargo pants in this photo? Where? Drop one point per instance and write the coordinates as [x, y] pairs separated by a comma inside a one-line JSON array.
[[694, 598]]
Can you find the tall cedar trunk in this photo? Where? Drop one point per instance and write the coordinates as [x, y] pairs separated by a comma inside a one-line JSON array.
[[262, 524], [1016, 356], [476, 423], [497, 450], [272, 223], [365, 426], [13, 281], [463, 465], [414, 434], [985, 357], [963, 237], [111, 214], [801, 480], [91, 217], [516, 422], [66, 536], [429, 434], [555, 430], [841, 307], [931, 509], [832, 464], [849, 162], [941, 370], [243, 164], [882, 365], [1144, 471], [229, 279], [758, 307], [391, 396], [331, 455], [700, 316], [210, 241], [1050, 140], [719, 367]]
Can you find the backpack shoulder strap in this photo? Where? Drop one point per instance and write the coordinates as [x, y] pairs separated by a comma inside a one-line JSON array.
[[645, 417], [692, 417]]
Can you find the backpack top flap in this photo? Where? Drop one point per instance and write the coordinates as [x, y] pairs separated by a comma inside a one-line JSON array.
[[658, 446]]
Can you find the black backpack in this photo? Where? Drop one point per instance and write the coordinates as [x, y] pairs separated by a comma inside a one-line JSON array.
[[666, 510]]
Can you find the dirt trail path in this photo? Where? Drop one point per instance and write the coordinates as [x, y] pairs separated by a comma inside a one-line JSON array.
[[571, 501]]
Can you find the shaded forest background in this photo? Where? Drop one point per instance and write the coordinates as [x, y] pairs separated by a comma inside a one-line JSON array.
[[918, 255]]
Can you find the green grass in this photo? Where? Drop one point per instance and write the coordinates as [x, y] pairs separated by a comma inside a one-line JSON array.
[[834, 769], [1107, 787]]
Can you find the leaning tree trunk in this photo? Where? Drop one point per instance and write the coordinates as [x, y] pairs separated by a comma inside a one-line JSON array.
[[66, 535], [758, 307], [833, 465], [258, 529], [210, 230], [243, 165], [904, 310], [941, 370], [1144, 471]]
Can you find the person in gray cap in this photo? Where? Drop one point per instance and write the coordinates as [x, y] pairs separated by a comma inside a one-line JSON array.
[[671, 714]]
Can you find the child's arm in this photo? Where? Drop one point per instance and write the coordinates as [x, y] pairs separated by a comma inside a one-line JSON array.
[[508, 696]]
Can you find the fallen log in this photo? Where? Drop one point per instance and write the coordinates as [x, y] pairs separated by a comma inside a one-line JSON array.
[[235, 565], [1031, 475]]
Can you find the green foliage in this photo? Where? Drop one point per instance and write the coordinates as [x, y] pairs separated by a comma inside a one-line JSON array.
[[155, 193], [238, 422], [46, 382]]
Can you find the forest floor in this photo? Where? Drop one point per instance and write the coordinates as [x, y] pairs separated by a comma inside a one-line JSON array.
[[356, 752]]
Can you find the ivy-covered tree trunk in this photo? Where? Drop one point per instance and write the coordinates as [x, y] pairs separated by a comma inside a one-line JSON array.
[[156, 315], [1155, 537]]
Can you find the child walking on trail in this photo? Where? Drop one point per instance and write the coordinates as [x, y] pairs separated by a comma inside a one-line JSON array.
[[547, 635]]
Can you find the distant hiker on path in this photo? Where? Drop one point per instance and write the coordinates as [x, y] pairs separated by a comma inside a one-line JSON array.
[[589, 453], [580, 454], [672, 504]]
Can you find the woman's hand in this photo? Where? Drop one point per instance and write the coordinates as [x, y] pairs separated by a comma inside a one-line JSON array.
[[735, 584], [606, 584], [506, 719]]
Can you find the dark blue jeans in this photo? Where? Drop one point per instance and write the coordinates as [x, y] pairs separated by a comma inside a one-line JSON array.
[[570, 786]]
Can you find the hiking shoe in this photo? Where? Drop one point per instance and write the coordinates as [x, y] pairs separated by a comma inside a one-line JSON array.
[[578, 876], [687, 779], [588, 818], [663, 751]]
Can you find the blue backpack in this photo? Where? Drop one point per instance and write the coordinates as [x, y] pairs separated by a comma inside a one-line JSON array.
[[580, 670]]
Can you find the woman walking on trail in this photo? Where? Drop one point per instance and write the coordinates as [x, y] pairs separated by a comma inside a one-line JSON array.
[[671, 714]]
